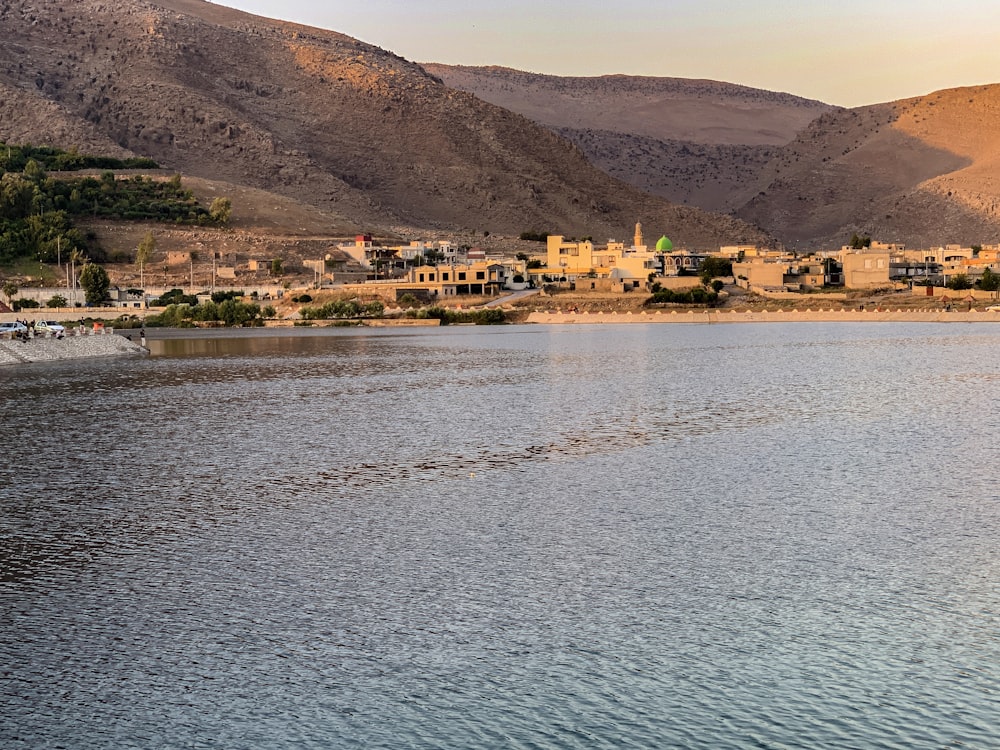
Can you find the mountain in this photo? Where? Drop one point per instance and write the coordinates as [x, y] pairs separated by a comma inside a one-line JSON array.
[[366, 137], [699, 142], [920, 171]]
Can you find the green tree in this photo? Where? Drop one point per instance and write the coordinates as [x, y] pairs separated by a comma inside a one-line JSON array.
[[277, 267], [56, 300], [221, 210], [959, 281], [713, 267], [144, 254], [95, 283], [9, 289], [858, 243], [17, 195], [989, 281]]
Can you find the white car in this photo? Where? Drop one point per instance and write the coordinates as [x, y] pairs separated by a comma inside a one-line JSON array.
[[993, 308], [12, 328], [48, 327]]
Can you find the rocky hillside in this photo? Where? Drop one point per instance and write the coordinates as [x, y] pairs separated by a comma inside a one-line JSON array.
[[921, 171], [698, 142], [370, 139]]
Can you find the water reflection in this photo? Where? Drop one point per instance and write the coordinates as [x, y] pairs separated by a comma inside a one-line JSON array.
[[647, 535]]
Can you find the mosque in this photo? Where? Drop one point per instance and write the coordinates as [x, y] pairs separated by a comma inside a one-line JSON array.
[[627, 266]]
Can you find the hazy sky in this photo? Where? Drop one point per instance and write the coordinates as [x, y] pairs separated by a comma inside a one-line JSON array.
[[846, 52]]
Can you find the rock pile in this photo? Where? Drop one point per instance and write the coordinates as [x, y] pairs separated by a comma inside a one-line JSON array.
[[71, 347]]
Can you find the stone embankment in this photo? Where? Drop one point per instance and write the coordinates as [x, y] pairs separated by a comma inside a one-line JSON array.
[[15, 351], [768, 316]]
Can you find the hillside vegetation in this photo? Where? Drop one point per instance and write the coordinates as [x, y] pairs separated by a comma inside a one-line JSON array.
[[39, 213]]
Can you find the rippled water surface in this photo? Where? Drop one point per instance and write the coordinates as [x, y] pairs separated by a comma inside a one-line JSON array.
[[537, 537]]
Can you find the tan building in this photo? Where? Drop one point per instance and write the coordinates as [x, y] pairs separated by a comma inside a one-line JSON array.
[[760, 273], [576, 260], [569, 259], [867, 268], [451, 280]]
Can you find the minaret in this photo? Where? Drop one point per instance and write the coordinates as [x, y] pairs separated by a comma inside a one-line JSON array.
[[637, 242]]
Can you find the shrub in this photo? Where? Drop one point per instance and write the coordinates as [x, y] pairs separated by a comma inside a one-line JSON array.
[[959, 281], [697, 296], [25, 304], [220, 296], [483, 317], [57, 300], [175, 297]]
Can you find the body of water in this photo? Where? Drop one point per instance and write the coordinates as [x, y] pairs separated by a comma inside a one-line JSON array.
[[774, 536]]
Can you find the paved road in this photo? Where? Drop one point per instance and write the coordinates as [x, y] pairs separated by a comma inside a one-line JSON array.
[[513, 297]]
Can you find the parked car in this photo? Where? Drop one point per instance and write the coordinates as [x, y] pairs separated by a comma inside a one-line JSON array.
[[993, 308], [12, 328], [43, 327]]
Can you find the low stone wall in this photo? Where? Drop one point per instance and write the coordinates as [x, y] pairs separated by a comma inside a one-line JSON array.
[[767, 316], [14, 351]]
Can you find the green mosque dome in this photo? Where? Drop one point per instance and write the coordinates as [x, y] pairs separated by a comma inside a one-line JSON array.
[[664, 244]]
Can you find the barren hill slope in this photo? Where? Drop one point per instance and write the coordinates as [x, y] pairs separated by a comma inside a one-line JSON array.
[[922, 171], [692, 141], [313, 115], [682, 109]]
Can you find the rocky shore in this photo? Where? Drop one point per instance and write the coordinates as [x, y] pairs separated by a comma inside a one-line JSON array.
[[14, 351]]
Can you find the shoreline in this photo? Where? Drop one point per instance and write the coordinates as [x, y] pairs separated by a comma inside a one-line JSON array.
[[91, 346], [765, 316]]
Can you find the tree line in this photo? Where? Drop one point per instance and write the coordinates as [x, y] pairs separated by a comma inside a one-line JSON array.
[[37, 211]]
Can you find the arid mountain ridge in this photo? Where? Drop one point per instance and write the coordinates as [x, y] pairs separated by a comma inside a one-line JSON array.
[[369, 140], [921, 171], [360, 139]]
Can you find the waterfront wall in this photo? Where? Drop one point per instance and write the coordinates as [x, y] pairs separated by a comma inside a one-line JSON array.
[[14, 351], [766, 316]]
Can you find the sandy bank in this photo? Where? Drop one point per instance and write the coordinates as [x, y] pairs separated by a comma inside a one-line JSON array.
[[14, 352], [767, 316]]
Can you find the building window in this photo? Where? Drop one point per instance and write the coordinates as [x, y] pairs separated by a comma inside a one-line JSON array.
[[444, 276], [421, 277], [480, 275]]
